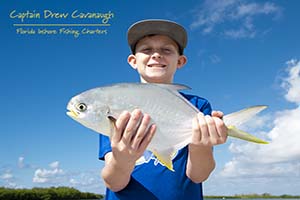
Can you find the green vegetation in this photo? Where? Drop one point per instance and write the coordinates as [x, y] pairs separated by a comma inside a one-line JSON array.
[[254, 196], [66, 193], [53, 193]]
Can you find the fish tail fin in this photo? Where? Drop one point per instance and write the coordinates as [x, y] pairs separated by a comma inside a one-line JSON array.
[[165, 158], [234, 132]]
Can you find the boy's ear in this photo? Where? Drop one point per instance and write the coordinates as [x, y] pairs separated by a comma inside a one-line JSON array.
[[182, 60], [132, 61]]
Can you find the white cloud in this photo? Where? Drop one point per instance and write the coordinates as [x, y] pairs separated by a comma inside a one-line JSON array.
[[235, 17], [278, 161], [292, 83], [52, 175], [211, 14], [250, 9], [6, 176], [85, 179], [245, 30], [7, 179], [23, 165], [21, 162], [54, 165]]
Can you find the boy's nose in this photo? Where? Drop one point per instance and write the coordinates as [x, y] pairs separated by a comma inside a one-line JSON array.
[[156, 54]]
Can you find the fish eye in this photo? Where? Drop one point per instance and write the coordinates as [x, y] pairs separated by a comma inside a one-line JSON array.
[[81, 107]]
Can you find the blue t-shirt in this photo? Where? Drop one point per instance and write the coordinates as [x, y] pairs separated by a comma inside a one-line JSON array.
[[150, 180]]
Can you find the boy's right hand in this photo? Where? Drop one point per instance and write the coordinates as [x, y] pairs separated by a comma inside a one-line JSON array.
[[130, 139], [132, 135]]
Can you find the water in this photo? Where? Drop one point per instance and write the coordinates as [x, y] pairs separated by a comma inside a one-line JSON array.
[[249, 199], [237, 199]]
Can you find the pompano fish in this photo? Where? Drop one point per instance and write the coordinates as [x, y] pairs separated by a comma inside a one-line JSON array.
[[169, 110]]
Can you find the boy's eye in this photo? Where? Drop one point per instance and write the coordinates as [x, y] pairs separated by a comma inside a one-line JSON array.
[[146, 50], [163, 50], [167, 50]]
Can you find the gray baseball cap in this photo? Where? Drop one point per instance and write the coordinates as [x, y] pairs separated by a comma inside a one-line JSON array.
[[143, 28]]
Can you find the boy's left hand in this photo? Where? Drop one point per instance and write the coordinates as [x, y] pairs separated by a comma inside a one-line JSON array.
[[209, 130]]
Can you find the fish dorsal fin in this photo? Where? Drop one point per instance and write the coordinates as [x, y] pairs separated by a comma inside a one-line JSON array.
[[174, 87]]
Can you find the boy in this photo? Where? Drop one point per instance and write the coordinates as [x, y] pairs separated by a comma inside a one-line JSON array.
[[130, 172]]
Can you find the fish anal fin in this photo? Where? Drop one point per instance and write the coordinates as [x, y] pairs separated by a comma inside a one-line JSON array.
[[165, 158]]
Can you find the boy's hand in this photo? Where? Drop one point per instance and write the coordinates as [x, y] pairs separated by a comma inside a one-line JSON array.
[[209, 130], [131, 137]]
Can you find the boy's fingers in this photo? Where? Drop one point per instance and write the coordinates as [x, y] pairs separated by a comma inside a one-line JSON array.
[[218, 114], [203, 127], [120, 125], [147, 139], [222, 130], [132, 126], [211, 125], [141, 132], [196, 136]]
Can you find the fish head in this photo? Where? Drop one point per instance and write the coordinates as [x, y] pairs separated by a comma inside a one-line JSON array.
[[91, 112]]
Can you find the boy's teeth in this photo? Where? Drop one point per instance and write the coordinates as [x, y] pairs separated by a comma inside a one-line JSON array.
[[156, 65]]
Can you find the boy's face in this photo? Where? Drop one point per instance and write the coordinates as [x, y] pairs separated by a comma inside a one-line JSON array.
[[156, 59]]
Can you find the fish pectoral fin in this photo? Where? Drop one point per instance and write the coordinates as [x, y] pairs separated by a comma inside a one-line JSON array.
[[112, 127], [113, 115], [234, 132], [165, 158], [112, 118]]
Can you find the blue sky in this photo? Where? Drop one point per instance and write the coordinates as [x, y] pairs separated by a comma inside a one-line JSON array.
[[241, 53]]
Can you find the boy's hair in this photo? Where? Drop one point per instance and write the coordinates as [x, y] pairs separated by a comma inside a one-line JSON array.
[[144, 28]]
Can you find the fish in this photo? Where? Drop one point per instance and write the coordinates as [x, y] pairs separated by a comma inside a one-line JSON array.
[[172, 114]]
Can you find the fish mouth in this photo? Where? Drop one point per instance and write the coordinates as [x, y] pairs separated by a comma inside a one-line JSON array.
[[72, 114]]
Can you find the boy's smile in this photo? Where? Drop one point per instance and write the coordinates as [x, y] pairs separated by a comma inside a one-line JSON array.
[[156, 59], [156, 65]]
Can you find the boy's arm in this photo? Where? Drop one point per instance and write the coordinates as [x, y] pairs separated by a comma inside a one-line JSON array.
[[129, 141], [116, 176], [207, 132]]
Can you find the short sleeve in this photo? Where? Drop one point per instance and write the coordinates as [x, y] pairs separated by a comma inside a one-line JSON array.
[[202, 104], [104, 146]]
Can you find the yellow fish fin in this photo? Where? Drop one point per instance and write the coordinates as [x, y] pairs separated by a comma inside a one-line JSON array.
[[234, 132], [165, 158]]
